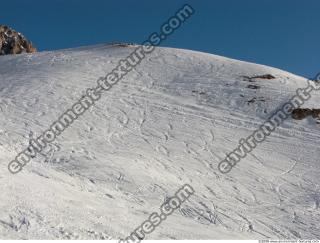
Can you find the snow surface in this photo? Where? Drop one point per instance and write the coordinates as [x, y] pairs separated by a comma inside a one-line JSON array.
[[167, 123]]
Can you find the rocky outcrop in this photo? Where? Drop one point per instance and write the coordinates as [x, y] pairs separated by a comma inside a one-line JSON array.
[[13, 42], [300, 113]]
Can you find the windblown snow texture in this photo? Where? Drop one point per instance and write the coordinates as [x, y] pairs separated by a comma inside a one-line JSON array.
[[167, 123]]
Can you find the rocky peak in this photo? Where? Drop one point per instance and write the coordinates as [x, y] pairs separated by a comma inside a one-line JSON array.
[[13, 42]]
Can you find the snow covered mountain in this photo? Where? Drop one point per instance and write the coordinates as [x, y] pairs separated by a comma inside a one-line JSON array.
[[169, 122]]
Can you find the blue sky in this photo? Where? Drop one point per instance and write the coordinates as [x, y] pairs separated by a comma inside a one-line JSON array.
[[279, 33]]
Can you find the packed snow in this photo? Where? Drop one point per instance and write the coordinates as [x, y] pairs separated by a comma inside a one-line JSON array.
[[169, 122]]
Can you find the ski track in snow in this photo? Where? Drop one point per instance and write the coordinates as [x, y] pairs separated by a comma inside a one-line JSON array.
[[167, 123]]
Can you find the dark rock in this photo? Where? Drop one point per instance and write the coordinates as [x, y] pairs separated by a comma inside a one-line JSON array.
[[12, 42], [265, 76], [299, 114], [253, 78]]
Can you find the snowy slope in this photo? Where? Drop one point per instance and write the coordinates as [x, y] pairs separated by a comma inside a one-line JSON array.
[[168, 122]]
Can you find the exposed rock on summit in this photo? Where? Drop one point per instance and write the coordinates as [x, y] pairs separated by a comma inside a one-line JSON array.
[[13, 42]]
